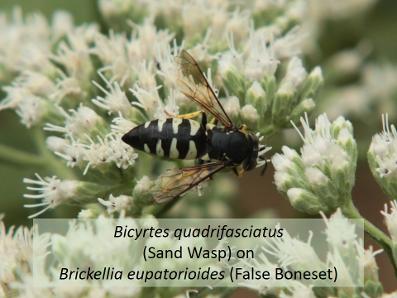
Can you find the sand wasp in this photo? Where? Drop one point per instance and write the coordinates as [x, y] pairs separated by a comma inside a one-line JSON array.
[[216, 145]]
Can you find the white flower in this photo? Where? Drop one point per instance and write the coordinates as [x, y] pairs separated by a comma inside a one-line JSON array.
[[230, 61], [36, 83], [31, 110], [232, 106], [261, 61], [15, 94], [74, 55], [169, 109], [112, 51], [323, 175], [73, 152], [25, 43], [62, 24], [118, 204], [315, 176], [383, 148], [282, 162], [168, 69], [368, 262], [321, 147], [67, 87], [143, 185], [249, 113], [115, 99], [382, 157], [78, 123], [96, 154], [294, 77], [390, 217], [148, 100], [290, 44], [51, 192], [120, 125], [15, 255], [120, 153], [255, 93], [335, 224], [292, 252], [57, 144]]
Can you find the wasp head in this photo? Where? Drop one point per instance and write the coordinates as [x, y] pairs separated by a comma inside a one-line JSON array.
[[256, 156]]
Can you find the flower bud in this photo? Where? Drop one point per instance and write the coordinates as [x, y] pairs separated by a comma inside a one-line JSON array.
[[305, 106], [322, 176], [143, 191], [232, 76], [255, 94], [249, 115], [312, 83], [232, 106], [382, 158], [390, 218], [304, 201], [52, 192]]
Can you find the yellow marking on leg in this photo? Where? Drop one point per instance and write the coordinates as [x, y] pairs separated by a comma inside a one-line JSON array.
[[240, 171], [189, 115], [244, 129], [213, 121]]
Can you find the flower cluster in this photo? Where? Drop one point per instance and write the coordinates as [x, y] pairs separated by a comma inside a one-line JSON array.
[[382, 158], [345, 251], [321, 177], [95, 87], [15, 255]]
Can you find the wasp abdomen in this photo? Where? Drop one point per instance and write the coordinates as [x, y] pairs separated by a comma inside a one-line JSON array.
[[170, 138]]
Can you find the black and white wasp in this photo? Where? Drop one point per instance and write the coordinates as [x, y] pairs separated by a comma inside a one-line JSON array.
[[216, 146]]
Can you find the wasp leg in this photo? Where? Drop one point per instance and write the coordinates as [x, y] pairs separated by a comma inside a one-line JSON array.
[[214, 121], [201, 162], [239, 171], [264, 169], [190, 115]]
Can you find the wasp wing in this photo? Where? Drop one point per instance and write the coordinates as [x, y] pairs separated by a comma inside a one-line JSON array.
[[176, 182], [195, 86]]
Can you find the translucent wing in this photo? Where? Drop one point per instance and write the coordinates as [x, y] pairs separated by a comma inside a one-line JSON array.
[[195, 86], [176, 182]]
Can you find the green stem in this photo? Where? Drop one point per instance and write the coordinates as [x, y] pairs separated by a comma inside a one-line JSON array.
[[51, 162], [16, 157], [351, 211]]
